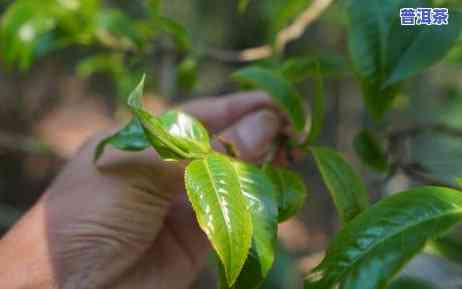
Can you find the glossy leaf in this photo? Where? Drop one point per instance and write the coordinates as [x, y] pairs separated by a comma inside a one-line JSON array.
[[174, 135], [221, 209], [345, 186], [409, 52], [407, 282], [291, 191], [385, 53], [130, 138], [370, 250], [284, 94], [370, 22], [261, 197], [370, 151]]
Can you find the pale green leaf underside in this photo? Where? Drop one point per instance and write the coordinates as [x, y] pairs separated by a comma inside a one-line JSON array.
[[221, 209], [374, 246], [345, 186]]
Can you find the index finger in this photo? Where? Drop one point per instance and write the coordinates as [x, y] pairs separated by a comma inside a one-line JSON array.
[[219, 113]]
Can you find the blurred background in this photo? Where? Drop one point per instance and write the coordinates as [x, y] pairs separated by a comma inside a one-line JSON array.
[[66, 67]]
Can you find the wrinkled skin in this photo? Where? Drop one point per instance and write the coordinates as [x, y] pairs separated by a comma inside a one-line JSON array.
[[126, 223]]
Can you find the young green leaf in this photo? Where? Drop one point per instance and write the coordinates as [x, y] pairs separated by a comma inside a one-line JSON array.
[[285, 94], [174, 135], [345, 186], [371, 249], [290, 188], [221, 209], [130, 138], [187, 132], [370, 151], [261, 197]]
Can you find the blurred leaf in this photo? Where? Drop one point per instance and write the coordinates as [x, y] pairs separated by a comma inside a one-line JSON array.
[[459, 181], [25, 33], [374, 246], [130, 138], [345, 186], [385, 53], [299, 68], [117, 30], [29, 29], [317, 111], [370, 151], [290, 188], [411, 283], [409, 52], [221, 209], [283, 16], [284, 94], [187, 74], [446, 247], [111, 63], [176, 30], [243, 5], [261, 198]]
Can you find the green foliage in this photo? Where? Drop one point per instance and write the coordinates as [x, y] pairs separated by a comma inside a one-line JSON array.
[[384, 52], [214, 191], [346, 187], [282, 91], [237, 205], [370, 151], [174, 134], [317, 111], [187, 74], [376, 244], [263, 206], [291, 191]]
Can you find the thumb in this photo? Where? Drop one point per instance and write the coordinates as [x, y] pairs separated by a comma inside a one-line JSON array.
[[252, 135]]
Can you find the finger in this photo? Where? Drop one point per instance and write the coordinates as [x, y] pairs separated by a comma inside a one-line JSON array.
[[218, 113], [253, 135]]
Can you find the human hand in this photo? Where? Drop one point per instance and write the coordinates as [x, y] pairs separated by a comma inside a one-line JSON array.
[[126, 223]]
